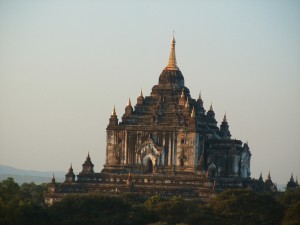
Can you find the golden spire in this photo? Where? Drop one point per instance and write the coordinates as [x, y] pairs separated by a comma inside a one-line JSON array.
[[141, 95], [114, 111], [172, 64], [129, 102]]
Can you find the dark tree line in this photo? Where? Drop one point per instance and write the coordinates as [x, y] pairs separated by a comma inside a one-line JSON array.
[[25, 205]]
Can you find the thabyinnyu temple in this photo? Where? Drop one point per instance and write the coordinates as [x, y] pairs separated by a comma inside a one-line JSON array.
[[165, 144]]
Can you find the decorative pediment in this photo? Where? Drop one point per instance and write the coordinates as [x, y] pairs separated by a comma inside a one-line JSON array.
[[149, 146]]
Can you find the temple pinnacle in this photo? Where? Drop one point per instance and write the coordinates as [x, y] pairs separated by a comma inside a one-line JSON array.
[[211, 108], [114, 111], [199, 95], [172, 64], [225, 118], [129, 102], [269, 176], [53, 179]]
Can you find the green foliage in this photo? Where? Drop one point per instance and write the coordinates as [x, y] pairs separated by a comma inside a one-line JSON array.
[[21, 205], [153, 201], [291, 200], [289, 197], [90, 209], [292, 214], [246, 207], [25, 205], [9, 189]]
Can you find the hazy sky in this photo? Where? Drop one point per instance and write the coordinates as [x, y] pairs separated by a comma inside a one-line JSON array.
[[64, 64]]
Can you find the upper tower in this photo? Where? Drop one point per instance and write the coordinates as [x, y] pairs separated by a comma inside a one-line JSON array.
[[171, 75], [172, 64]]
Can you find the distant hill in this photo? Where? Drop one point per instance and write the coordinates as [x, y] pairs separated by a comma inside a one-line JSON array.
[[38, 177]]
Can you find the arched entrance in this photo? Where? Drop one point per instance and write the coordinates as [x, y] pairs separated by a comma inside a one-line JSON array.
[[149, 166]]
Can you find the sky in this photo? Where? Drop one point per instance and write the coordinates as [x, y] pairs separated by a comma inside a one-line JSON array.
[[65, 64]]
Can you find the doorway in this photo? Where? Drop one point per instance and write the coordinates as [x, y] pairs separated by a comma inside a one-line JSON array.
[[149, 166]]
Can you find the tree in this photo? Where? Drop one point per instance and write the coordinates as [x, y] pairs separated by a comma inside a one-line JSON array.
[[90, 209], [246, 207], [292, 215], [9, 189]]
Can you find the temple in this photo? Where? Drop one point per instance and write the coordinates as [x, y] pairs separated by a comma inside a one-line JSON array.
[[165, 144], [292, 185]]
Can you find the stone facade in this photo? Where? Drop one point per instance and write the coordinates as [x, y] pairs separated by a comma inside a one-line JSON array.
[[166, 144], [292, 185], [169, 131]]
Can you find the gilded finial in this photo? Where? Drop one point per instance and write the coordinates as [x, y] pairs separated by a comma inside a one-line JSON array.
[[172, 64], [114, 112], [129, 102]]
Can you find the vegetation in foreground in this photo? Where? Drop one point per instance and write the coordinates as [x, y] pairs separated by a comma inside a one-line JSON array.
[[25, 205]]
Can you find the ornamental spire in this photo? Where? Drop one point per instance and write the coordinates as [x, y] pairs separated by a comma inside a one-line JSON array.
[[225, 118], [114, 112], [172, 64], [129, 102], [292, 178], [260, 177], [53, 179], [200, 98], [269, 176], [211, 108]]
